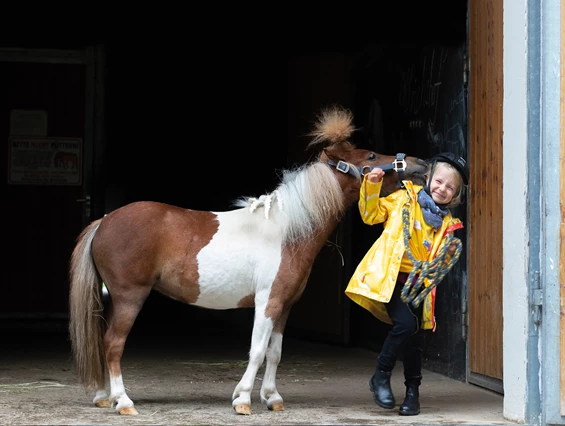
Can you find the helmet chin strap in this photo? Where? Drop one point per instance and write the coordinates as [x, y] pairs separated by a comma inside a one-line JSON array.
[[428, 182]]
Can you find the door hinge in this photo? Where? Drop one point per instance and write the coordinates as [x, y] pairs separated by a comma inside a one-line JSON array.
[[537, 299], [465, 69]]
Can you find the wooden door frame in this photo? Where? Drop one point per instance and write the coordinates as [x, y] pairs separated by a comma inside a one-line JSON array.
[[485, 216]]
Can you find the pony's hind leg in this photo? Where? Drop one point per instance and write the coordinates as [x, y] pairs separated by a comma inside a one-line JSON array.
[[262, 328], [101, 399], [122, 315]]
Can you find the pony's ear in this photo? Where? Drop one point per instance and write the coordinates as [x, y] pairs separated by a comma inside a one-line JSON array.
[[335, 152], [328, 154]]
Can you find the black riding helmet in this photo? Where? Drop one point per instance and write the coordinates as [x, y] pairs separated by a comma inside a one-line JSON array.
[[455, 160]]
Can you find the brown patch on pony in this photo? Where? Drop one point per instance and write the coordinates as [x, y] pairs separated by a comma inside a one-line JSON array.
[[247, 302], [207, 226], [116, 245], [292, 277]]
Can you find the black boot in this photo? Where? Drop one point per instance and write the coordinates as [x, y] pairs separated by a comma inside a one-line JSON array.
[[380, 386], [411, 404]]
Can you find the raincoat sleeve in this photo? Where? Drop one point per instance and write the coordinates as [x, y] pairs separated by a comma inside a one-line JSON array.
[[370, 207]]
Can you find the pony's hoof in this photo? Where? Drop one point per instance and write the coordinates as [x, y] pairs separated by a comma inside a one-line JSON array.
[[242, 409], [128, 411], [103, 403], [277, 406]]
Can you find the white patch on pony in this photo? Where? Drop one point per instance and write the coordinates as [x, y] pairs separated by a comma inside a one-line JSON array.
[[101, 395], [242, 259], [118, 395]]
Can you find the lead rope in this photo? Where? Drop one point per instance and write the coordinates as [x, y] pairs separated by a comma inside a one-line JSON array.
[[434, 270]]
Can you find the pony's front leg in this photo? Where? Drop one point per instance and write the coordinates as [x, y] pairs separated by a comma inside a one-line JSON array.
[[262, 328], [269, 394]]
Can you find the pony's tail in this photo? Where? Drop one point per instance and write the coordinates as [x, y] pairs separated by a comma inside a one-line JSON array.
[[86, 309]]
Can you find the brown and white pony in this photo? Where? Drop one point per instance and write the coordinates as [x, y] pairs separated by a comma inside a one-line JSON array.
[[259, 255]]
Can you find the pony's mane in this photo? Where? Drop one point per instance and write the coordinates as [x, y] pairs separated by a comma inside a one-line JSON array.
[[334, 126], [308, 197]]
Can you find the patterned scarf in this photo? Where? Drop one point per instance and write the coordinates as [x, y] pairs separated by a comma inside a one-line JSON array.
[[433, 215]]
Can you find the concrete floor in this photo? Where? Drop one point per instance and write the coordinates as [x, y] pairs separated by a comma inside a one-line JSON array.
[[191, 382]]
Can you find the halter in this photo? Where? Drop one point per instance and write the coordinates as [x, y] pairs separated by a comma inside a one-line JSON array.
[[398, 165]]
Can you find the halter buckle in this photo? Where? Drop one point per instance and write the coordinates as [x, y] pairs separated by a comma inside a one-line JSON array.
[[396, 167], [342, 166]]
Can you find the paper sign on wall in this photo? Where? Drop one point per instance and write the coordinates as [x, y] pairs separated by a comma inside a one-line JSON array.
[[45, 161]]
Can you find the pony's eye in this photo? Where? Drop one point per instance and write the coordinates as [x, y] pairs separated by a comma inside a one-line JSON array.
[[372, 156]]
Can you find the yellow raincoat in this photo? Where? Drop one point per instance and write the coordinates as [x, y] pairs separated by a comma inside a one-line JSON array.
[[373, 282]]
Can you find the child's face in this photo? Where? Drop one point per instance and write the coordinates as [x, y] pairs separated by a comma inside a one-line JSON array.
[[444, 184]]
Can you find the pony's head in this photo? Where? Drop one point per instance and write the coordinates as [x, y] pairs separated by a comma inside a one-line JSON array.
[[333, 130]]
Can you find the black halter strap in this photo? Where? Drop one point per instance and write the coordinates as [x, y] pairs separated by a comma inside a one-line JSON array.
[[398, 165]]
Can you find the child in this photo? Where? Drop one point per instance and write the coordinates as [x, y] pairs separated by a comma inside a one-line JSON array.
[[378, 281]]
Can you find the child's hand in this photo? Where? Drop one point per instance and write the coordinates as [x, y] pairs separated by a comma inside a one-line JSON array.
[[376, 175], [452, 248]]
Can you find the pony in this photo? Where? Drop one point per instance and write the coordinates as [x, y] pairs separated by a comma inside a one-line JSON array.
[[258, 254]]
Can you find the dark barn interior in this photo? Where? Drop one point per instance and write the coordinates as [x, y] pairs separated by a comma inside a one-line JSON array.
[[200, 124]]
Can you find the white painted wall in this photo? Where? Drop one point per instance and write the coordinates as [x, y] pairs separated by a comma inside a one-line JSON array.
[[550, 237], [515, 230]]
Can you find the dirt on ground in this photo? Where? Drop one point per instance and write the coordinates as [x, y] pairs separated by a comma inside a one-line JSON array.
[[191, 383]]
